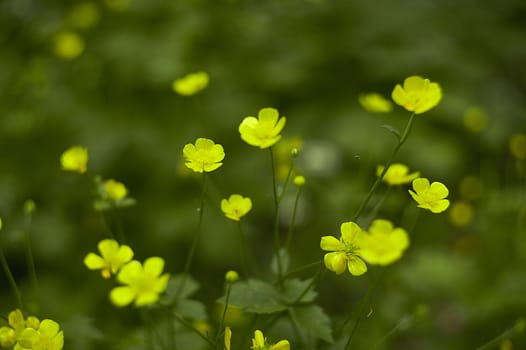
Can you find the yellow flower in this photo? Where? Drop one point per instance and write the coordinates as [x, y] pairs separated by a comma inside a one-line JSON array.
[[461, 213], [191, 83], [418, 95], [143, 283], [228, 337], [231, 276], [75, 158], [113, 257], [299, 181], [68, 45], [518, 146], [397, 174], [47, 337], [10, 335], [115, 190], [263, 131], [236, 206], [205, 155], [260, 343], [375, 103], [346, 251], [430, 197], [384, 244]]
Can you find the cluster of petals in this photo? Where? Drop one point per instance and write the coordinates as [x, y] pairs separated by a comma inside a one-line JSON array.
[[259, 342], [48, 336], [111, 259], [397, 174], [191, 83], [142, 283], [384, 244], [75, 159], [417, 94], [375, 103], [236, 206], [9, 335], [203, 156], [115, 190], [263, 131], [430, 196]]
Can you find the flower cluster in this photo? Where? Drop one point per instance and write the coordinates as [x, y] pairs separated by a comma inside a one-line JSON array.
[[31, 333]]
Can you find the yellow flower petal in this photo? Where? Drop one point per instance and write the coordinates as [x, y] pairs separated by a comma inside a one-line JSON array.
[[331, 243], [356, 266], [281, 345], [335, 261], [351, 233], [122, 296]]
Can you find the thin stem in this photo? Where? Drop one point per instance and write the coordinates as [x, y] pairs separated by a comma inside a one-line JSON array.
[[29, 251], [195, 242], [292, 220], [223, 316], [277, 244], [315, 279], [302, 268], [401, 141], [190, 327], [518, 328], [11, 279], [243, 250]]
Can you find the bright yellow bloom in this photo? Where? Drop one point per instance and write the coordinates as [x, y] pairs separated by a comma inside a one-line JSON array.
[[418, 95], [10, 335], [299, 181], [263, 131], [68, 45], [384, 244], [375, 103], [143, 283], [75, 158], [228, 337], [236, 206], [518, 146], [205, 155], [113, 257], [430, 197], [191, 83], [115, 189], [461, 213], [260, 343], [47, 337], [397, 174], [345, 252]]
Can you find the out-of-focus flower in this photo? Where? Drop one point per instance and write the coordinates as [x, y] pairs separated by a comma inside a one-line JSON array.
[[9, 335], [48, 336], [346, 251], [231, 276], [228, 337], [431, 197], [191, 83], [470, 187], [143, 283], [384, 244], [397, 174], [461, 213], [112, 257], [75, 158], [518, 146], [111, 194], [115, 189], [205, 155], [284, 152], [263, 131], [299, 181], [475, 120], [259, 342], [418, 95], [118, 5], [236, 206], [84, 15], [68, 45], [375, 103]]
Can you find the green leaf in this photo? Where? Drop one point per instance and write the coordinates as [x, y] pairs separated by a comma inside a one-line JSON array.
[[255, 296], [294, 287], [393, 130], [312, 321], [191, 309], [189, 288]]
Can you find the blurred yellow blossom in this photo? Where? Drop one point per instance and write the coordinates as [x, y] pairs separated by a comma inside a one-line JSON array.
[[9, 335], [397, 174], [346, 251], [518, 146], [231, 276], [461, 213], [205, 155], [259, 342], [384, 244], [115, 189], [236, 206], [430, 197], [228, 337], [191, 83], [202, 326], [75, 158], [118, 5], [263, 131], [84, 15], [68, 45], [418, 95], [475, 119], [470, 187], [48, 336], [143, 283], [299, 181], [112, 257], [375, 103]]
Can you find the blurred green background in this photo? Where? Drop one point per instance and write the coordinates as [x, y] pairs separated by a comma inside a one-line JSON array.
[[99, 74]]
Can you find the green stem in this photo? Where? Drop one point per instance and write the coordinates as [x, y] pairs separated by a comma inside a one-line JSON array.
[[292, 221], [401, 141], [29, 252], [315, 279], [277, 244], [11, 280], [518, 328], [243, 250], [223, 316], [192, 328]]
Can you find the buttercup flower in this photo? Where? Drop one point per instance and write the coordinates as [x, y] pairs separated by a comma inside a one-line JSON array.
[[191, 83], [205, 155], [418, 95], [260, 343], [75, 158], [115, 189], [430, 197], [143, 283], [10, 335], [112, 257], [345, 252], [397, 174], [384, 244], [375, 103], [47, 337], [236, 206], [263, 131]]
